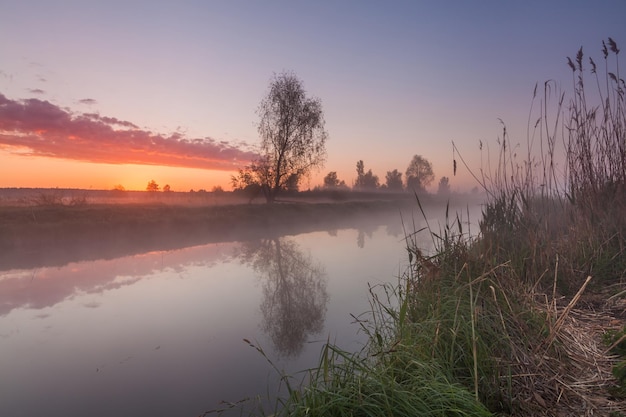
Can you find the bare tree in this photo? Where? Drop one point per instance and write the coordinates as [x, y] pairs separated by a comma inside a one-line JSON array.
[[419, 174], [292, 136]]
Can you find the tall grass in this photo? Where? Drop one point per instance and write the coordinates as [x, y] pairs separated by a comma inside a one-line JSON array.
[[566, 199], [489, 324]]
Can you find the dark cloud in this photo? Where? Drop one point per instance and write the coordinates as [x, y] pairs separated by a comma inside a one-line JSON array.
[[36, 91], [87, 101], [48, 130]]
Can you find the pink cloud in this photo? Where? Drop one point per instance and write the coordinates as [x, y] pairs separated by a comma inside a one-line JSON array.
[[48, 130]]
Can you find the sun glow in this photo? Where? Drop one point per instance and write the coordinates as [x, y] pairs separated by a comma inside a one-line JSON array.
[[19, 170]]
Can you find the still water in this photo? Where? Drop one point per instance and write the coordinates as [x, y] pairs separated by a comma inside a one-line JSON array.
[[161, 333]]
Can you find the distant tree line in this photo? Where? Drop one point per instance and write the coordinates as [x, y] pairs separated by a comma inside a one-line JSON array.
[[419, 175]]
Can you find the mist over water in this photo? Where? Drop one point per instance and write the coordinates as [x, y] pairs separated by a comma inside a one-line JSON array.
[[161, 332]]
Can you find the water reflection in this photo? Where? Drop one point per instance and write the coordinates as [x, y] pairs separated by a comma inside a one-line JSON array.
[[366, 231], [294, 292], [47, 286]]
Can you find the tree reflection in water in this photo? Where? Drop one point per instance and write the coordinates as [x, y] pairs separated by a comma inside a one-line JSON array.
[[363, 231], [294, 292]]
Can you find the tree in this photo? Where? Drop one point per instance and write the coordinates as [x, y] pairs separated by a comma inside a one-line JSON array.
[[393, 180], [167, 188], [444, 186], [331, 180], [419, 174], [152, 186], [365, 180], [292, 136]]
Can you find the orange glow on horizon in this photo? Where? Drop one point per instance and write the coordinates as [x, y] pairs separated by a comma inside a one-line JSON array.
[[20, 171]]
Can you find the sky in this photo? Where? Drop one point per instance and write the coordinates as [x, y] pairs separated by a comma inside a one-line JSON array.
[[95, 94]]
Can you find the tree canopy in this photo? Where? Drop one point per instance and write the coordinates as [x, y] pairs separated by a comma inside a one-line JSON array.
[[393, 180]]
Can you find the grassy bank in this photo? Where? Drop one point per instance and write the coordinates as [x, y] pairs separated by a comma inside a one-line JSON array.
[[525, 319]]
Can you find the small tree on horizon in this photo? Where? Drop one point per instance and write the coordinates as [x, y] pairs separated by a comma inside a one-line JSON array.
[[419, 174], [444, 186], [152, 186], [331, 180], [393, 180], [167, 188], [365, 180]]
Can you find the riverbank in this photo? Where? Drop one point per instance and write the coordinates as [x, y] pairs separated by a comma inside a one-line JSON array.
[[57, 234], [517, 321]]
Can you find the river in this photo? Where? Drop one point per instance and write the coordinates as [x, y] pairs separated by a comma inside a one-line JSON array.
[[162, 333]]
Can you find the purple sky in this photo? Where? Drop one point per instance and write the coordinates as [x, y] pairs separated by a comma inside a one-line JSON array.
[[128, 87]]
